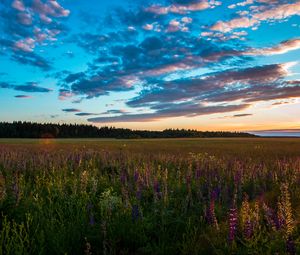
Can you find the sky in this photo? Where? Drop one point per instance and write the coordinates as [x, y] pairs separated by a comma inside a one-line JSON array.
[[200, 64]]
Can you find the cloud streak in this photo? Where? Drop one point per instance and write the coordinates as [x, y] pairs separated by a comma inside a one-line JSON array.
[[30, 87]]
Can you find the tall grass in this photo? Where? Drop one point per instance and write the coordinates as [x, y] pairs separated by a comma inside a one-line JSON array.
[[170, 197]]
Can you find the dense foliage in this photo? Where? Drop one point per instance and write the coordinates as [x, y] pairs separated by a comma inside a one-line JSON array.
[[48, 130], [217, 196]]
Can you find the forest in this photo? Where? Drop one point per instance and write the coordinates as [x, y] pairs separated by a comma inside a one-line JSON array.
[[19, 129]]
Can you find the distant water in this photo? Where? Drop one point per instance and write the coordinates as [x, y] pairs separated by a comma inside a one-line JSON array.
[[277, 133]]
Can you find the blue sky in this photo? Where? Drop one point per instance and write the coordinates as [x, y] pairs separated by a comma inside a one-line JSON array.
[[203, 64]]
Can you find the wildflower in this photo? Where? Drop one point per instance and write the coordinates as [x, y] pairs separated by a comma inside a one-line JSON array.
[[285, 216], [211, 216], [135, 212], [198, 173], [123, 177], [156, 188], [136, 176], [270, 217], [139, 193], [233, 221], [92, 219], [290, 246], [255, 215], [215, 193], [246, 218], [91, 215]]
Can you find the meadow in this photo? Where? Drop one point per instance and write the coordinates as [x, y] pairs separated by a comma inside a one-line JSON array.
[[156, 196]]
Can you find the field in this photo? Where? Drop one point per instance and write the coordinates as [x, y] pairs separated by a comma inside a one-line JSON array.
[[165, 196]]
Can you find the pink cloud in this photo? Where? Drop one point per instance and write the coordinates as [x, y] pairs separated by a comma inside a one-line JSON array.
[[187, 20], [244, 3], [49, 9], [279, 12], [26, 45], [65, 95], [174, 26], [181, 9], [148, 27], [18, 5], [25, 18], [281, 48], [168, 69]]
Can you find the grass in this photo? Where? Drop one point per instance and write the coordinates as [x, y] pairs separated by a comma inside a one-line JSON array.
[[156, 196]]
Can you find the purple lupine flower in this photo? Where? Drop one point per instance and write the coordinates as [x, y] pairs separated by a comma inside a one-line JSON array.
[[156, 187], [136, 176], [233, 220], [290, 246], [91, 215], [211, 216], [92, 219], [123, 177], [198, 174], [271, 217], [215, 194], [198, 171], [135, 212], [139, 194], [248, 229], [237, 177], [16, 190]]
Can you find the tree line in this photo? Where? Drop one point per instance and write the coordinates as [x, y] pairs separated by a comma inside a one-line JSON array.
[[19, 129]]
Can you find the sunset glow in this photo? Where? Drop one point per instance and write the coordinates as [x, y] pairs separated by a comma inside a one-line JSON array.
[[206, 65]]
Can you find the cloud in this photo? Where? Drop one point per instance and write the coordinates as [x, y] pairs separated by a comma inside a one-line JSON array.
[[259, 14], [180, 8], [18, 5], [28, 87], [175, 25], [85, 114], [71, 110], [216, 87], [26, 45], [32, 59], [65, 94], [48, 10], [115, 111], [244, 3], [23, 96], [283, 102], [32, 87], [242, 115], [187, 110], [283, 47], [28, 24], [220, 92], [124, 67]]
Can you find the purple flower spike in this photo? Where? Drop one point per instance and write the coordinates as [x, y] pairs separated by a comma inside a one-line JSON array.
[[233, 220], [135, 212], [290, 246], [92, 219]]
